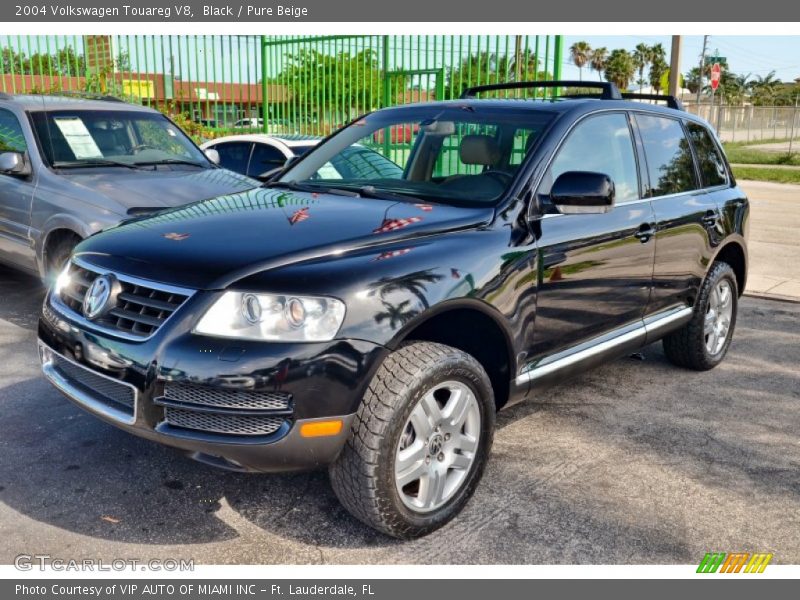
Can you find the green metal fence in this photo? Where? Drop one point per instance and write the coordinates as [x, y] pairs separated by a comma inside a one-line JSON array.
[[277, 84]]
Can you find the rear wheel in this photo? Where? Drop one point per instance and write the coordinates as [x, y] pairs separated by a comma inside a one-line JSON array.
[[703, 342], [419, 443]]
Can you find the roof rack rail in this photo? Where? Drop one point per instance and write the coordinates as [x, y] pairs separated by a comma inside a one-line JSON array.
[[608, 91], [5, 96], [672, 101], [87, 95]]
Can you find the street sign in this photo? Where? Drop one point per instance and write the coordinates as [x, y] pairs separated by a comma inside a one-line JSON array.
[[716, 74]]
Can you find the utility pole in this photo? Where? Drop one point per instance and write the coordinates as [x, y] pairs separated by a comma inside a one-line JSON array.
[[702, 69], [675, 66], [794, 118]]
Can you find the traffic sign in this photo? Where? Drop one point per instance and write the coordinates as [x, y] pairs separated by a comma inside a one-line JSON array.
[[716, 74]]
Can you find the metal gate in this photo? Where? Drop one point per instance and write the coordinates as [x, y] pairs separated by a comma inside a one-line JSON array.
[[307, 85]]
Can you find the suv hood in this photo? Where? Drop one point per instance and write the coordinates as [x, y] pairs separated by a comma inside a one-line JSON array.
[[158, 188], [211, 244]]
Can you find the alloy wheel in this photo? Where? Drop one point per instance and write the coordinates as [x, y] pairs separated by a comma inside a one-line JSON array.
[[437, 447]]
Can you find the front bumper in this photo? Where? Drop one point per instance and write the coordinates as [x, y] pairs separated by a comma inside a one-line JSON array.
[[124, 382]]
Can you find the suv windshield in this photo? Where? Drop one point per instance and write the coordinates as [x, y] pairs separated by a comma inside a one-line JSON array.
[[86, 138], [461, 155]]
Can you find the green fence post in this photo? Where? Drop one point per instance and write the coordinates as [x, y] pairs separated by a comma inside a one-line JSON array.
[[264, 114], [558, 53]]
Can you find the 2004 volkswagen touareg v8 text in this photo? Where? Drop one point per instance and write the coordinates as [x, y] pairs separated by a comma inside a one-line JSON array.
[[374, 324]]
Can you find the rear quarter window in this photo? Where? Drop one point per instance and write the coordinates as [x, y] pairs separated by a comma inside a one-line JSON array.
[[709, 156]]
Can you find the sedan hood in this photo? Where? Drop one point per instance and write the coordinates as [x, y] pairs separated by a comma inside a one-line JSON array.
[[211, 244], [157, 188]]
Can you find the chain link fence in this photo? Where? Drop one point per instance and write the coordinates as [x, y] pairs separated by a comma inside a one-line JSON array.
[[752, 123]]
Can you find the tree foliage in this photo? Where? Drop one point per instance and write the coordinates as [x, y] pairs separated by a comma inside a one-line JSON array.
[[620, 68]]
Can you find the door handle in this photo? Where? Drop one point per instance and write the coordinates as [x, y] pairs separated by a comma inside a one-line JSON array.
[[645, 232]]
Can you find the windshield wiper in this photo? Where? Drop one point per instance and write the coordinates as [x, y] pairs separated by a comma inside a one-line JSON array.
[[93, 162], [312, 189], [370, 191], [169, 161]]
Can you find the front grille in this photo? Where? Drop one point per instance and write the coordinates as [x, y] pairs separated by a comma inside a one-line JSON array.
[[140, 309], [226, 398], [118, 394], [222, 423]]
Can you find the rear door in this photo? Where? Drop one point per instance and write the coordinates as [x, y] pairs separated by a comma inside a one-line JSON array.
[[16, 196], [595, 270], [687, 216]]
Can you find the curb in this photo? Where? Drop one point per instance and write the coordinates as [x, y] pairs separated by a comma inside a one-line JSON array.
[[775, 297]]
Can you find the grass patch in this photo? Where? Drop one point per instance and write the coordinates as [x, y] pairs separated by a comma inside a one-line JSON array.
[[767, 174], [738, 153]]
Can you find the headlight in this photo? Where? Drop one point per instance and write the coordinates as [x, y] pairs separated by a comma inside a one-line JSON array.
[[62, 281], [273, 317]]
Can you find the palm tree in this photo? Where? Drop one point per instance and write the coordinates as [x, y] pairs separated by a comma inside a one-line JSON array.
[[658, 68], [398, 315], [414, 283], [764, 89], [620, 68], [524, 67], [598, 61], [641, 58], [581, 53]]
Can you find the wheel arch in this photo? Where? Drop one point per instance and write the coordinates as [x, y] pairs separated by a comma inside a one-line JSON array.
[[733, 253], [449, 322]]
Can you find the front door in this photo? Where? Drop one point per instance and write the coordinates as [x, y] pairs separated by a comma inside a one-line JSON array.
[[16, 196], [595, 270]]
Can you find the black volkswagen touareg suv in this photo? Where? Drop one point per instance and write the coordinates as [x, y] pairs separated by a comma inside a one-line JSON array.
[[373, 324]]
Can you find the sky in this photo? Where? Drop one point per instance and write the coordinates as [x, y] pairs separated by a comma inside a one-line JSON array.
[[757, 55]]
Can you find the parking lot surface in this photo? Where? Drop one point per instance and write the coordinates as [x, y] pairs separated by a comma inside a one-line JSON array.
[[634, 462]]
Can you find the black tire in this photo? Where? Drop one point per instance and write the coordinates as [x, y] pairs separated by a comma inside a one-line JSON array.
[[58, 252], [363, 476], [686, 347]]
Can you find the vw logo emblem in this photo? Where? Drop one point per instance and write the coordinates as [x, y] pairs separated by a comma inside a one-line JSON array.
[[97, 296], [436, 444]]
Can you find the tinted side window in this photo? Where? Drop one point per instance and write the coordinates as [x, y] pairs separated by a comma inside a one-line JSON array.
[[265, 158], [709, 156], [234, 155], [11, 137], [601, 144], [669, 158]]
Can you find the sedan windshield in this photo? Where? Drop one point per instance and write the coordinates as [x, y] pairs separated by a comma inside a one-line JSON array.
[[460, 155], [92, 138]]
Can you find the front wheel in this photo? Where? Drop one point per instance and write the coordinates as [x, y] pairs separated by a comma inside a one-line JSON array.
[[703, 342], [419, 442]]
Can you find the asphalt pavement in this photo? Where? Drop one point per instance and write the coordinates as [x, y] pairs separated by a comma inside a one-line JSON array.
[[634, 462]]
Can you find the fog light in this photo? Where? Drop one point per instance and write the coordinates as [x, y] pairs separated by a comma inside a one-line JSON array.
[[321, 428]]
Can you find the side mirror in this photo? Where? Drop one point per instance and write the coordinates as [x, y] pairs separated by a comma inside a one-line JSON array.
[[212, 155], [583, 192], [14, 163]]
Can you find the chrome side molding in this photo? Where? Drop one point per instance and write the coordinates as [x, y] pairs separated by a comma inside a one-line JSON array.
[[650, 329]]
